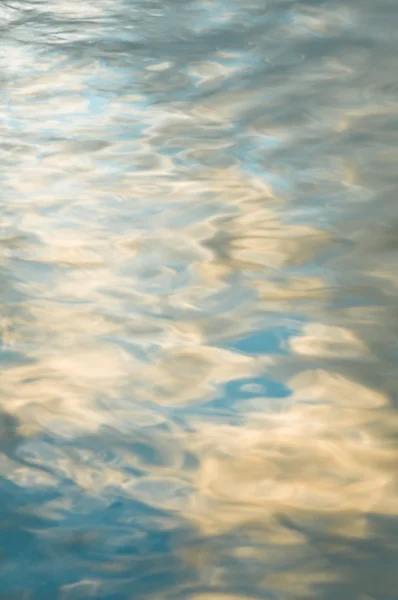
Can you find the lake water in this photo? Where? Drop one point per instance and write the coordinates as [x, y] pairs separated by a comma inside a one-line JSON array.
[[198, 299]]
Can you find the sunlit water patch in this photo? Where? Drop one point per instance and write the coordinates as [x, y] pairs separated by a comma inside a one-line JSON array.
[[198, 309]]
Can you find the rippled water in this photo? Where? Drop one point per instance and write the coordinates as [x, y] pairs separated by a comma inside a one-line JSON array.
[[198, 296]]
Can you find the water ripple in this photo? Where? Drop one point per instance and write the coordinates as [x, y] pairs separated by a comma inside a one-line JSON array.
[[198, 300]]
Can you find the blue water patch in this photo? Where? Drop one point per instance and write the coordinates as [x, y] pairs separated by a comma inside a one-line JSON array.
[[243, 389], [266, 341], [271, 393], [81, 536]]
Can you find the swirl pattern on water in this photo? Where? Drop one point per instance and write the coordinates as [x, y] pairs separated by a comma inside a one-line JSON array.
[[198, 332]]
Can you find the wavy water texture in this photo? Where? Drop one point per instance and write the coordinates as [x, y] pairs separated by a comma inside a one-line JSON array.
[[198, 285]]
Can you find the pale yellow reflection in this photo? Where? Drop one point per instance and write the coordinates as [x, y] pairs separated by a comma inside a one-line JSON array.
[[138, 246], [128, 325], [188, 374], [325, 340], [324, 457], [109, 288]]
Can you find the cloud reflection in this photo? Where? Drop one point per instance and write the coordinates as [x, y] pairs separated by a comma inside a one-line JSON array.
[[198, 339]]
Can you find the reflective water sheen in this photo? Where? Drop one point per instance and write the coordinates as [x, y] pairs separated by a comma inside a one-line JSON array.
[[198, 295]]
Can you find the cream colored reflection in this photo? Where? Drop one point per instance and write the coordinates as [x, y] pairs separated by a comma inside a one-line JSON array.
[[104, 285], [284, 295], [60, 390], [137, 257], [78, 10], [190, 374], [322, 340], [139, 262], [128, 262], [326, 456]]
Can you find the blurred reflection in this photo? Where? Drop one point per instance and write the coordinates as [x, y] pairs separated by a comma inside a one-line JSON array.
[[198, 300]]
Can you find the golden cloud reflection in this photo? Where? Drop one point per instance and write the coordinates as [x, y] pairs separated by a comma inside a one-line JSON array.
[[297, 487], [198, 327], [325, 340], [126, 327]]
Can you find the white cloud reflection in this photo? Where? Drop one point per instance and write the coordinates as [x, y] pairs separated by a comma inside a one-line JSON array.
[[157, 215]]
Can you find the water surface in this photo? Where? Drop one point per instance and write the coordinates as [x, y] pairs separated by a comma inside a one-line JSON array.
[[198, 300]]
